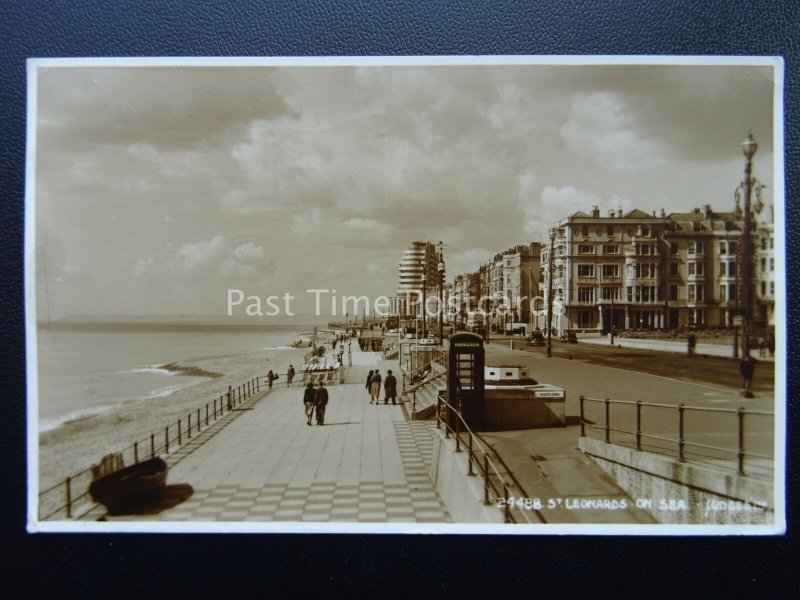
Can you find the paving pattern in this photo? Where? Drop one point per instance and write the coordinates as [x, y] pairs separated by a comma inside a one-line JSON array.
[[366, 464]]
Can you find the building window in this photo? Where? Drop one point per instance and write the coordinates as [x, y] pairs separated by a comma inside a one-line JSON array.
[[763, 243], [731, 291], [585, 249], [610, 270], [771, 264], [723, 247], [610, 249], [673, 247], [610, 293], [695, 268], [699, 246], [731, 247], [691, 248], [722, 289], [673, 268], [691, 293], [673, 292], [585, 270], [771, 288], [645, 232], [630, 293], [585, 294], [722, 269], [771, 244], [763, 288], [731, 269], [584, 230], [609, 230], [763, 264]]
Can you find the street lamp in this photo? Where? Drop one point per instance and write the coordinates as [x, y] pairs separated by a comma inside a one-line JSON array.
[[749, 147], [424, 285], [441, 294], [550, 295]]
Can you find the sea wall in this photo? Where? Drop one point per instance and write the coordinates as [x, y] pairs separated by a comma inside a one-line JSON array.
[[683, 493], [462, 494]]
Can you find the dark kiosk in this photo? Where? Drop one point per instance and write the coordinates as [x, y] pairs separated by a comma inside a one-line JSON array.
[[465, 363]]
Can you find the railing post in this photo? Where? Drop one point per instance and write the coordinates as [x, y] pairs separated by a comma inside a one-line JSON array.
[[152, 445], [179, 433], [485, 479], [638, 425], [583, 429], [258, 384], [136, 452], [230, 398], [740, 415], [198, 419], [68, 484], [681, 456], [506, 508], [458, 433], [166, 439], [608, 418], [188, 426], [470, 472], [206, 414]]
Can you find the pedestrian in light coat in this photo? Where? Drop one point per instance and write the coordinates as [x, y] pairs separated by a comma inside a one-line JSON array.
[[369, 381], [375, 386]]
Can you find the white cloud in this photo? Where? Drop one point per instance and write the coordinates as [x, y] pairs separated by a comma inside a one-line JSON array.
[[599, 128], [249, 252]]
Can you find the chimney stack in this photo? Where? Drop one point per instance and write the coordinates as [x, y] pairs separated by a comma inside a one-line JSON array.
[[595, 212]]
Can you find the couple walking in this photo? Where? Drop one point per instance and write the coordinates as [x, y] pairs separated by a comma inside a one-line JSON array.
[[389, 387], [315, 400]]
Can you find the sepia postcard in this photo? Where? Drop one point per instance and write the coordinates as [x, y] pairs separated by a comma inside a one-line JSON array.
[[508, 294]]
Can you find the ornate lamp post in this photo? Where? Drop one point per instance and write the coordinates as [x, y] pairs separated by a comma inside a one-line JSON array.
[[749, 147], [550, 295], [440, 267]]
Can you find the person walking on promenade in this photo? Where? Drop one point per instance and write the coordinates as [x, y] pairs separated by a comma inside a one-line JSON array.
[[747, 368], [691, 344], [390, 388], [270, 378], [309, 400], [289, 375], [369, 381], [320, 402], [375, 386]]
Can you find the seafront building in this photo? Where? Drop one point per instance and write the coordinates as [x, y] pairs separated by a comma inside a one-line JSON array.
[[630, 270], [418, 268]]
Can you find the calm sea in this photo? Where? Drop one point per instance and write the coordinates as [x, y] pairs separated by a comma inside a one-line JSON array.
[[87, 371]]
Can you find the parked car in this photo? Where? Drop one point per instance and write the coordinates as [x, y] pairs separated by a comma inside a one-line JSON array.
[[569, 336], [536, 338]]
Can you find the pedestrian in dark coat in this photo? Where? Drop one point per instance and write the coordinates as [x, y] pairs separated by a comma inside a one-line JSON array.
[[270, 378], [289, 375], [320, 402], [390, 388], [309, 400], [747, 368]]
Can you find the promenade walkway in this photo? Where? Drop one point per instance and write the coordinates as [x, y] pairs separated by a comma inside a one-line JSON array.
[[366, 464], [702, 348]]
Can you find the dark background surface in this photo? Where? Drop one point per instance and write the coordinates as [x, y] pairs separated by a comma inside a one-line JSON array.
[[117, 566]]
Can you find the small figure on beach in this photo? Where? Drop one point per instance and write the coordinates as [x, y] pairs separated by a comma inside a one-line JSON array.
[[309, 400], [270, 378], [320, 402], [747, 367], [289, 375], [369, 381], [375, 386], [390, 388]]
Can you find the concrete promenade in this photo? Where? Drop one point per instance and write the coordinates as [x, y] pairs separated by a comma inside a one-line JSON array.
[[679, 347], [366, 464]]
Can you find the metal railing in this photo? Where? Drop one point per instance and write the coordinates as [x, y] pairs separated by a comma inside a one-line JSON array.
[[483, 462], [70, 496], [678, 445], [413, 389]]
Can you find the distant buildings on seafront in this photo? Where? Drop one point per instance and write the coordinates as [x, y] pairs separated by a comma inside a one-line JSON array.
[[633, 270]]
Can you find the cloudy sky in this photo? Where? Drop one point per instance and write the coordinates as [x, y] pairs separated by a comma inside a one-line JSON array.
[[160, 188]]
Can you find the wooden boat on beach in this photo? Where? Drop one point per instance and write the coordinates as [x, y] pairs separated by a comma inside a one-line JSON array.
[[129, 484]]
